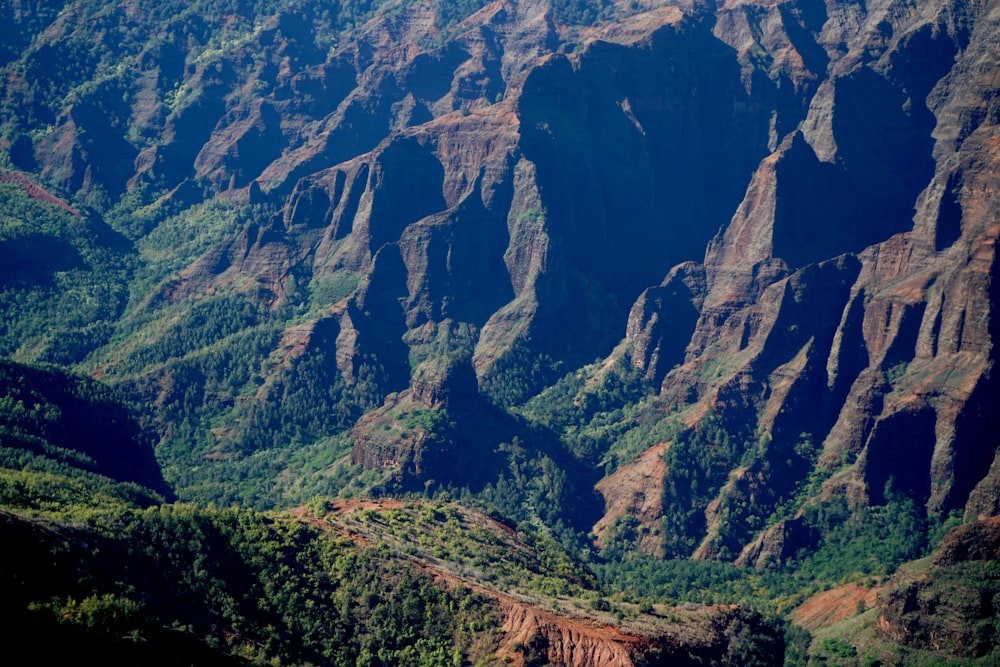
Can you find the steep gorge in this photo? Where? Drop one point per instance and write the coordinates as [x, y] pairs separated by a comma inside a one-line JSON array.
[[780, 215], [826, 311]]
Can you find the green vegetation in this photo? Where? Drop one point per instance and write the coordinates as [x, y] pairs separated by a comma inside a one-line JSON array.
[[110, 300], [606, 421], [331, 288], [449, 12], [518, 376], [54, 422], [278, 589], [867, 541], [582, 12], [44, 486], [468, 545], [242, 584], [103, 565], [698, 464], [63, 279], [949, 606]]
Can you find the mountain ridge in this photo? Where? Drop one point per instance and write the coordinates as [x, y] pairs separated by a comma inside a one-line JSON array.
[[690, 280]]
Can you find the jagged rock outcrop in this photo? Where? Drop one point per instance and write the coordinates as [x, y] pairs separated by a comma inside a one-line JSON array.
[[531, 634], [977, 541], [438, 429], [246, 141], [852, 296], [778, 544], [465, 212], [534, 636]]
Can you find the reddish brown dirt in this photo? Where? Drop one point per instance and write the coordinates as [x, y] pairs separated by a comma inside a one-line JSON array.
[[832, 606], [37, 192], [636, 489], [351, 504], [569, 641], [575, 642]]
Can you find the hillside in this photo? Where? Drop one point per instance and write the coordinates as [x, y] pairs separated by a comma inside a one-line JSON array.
[[350, 583], [70, 440], [700, 292]]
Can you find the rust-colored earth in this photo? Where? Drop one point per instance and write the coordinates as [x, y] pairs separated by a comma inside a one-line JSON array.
[[35, 191], [833, 606]]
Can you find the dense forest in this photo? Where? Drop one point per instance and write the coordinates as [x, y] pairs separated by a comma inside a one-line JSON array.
[[432, 332]]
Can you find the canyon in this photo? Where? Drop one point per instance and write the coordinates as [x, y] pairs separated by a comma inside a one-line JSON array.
[[475, 249]]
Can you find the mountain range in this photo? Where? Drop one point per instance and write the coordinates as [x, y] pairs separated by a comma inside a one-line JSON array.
[[673, 285]]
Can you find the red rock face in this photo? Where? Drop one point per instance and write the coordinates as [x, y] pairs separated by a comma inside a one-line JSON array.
[[535, 636], [788, 209], [852, 295], [564, 641]]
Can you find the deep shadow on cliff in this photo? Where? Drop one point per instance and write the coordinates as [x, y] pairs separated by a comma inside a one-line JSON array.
[[780, 216]]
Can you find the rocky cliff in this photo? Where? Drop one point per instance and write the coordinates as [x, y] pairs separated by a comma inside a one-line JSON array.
[[851, 297], [781, 215], [532, 636]]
